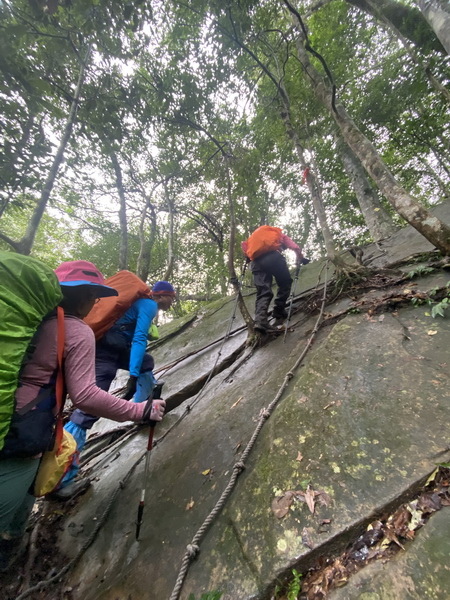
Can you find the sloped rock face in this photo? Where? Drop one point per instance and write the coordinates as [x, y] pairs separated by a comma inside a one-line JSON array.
[[359, 421]]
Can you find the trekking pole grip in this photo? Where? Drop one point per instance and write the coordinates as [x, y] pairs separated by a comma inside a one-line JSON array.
[[156, 395]]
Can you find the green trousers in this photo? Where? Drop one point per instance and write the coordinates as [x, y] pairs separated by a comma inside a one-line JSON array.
[[16, 477]]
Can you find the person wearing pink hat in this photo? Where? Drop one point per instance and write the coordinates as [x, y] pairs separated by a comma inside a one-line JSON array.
[[123, 346], [81, 284]]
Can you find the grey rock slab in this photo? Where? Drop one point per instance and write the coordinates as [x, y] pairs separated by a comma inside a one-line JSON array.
[[367, 415], [405, 242], [421, 572], [366, 411]]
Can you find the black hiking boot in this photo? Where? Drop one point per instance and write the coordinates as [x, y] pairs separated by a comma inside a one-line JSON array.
[[265, 328], [279, 321]]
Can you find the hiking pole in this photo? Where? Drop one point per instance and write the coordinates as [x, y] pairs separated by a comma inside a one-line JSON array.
[[156, 394], [293, 287]]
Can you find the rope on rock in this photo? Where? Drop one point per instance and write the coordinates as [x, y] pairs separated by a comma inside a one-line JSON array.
[[193, 548], [211, 373]]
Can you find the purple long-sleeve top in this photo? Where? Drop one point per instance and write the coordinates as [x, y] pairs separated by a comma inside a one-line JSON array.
[[79, 372]]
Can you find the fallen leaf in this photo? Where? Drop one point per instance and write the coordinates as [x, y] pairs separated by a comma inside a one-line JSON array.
[[190, 504], [309, 498], [281, 504], [431, 332], [206, 472], [299, 457]]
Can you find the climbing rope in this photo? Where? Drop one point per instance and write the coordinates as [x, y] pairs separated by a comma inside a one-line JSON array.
[[291, 301], [200, 394], [193, 548]]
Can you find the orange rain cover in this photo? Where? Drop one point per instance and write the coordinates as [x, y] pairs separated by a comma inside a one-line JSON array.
[[264, 239], [108, 310]]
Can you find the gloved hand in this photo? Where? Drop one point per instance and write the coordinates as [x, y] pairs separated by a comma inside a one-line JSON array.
[[130, 388], [154, 410]]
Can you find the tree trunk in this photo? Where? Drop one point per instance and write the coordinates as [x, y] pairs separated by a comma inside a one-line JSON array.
[[171, 240], [231, 270], [123, 249], [437, 13], [308, 175], [25, 245], [408, 20], [146, 242], [434, 230], [378, 220]]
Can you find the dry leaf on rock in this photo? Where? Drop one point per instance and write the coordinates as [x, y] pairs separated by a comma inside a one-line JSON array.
[[309, 498], [190, 504], [299, 457], [281, 504]]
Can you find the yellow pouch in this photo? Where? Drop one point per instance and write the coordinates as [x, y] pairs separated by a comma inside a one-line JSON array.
[[54, 465]]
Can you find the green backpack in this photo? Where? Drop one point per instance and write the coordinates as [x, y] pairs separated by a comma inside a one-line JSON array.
[[29, 290]]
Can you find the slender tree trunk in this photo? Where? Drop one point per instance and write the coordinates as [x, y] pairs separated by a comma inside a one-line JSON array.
[[434, 230], [171, 239], [231, 270], [25, 245], [291, 132], [123, 249], [378, 220], [437, 13], [146, 240], [308, 175]]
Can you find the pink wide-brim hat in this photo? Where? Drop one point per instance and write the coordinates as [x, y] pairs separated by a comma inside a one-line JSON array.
[[82, 272]]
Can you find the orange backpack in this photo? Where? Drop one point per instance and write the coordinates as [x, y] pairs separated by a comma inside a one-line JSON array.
[[264, 239], [108, 310]]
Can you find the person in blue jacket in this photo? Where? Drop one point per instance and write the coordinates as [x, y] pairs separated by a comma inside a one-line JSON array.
[[122, 347]]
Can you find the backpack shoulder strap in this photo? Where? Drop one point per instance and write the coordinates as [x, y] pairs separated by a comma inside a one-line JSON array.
[[60, 338]]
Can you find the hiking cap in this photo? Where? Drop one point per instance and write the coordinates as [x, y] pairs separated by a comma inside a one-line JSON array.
[[163, 288], [82, 272]]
